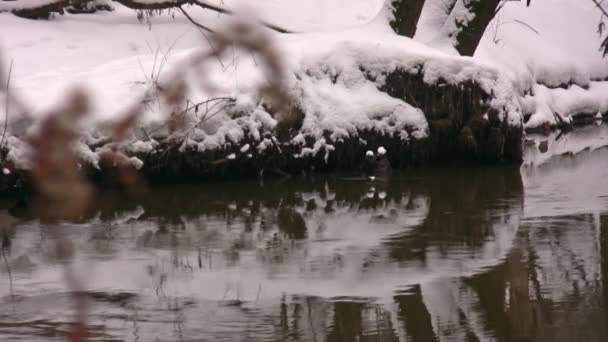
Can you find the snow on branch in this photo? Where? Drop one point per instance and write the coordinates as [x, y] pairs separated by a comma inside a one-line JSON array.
[[34, 9], [43, 9], [166, 4], [12, 5]]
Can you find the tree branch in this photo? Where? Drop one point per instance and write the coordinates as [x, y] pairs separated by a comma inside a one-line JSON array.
[[599, 5], [195, 23], [44, 10], [136, 4]]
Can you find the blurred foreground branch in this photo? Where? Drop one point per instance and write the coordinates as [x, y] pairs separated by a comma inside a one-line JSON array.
[[63, 191]]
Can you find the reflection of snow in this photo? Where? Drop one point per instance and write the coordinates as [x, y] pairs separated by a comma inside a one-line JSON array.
[[248, 253], [571, 178]]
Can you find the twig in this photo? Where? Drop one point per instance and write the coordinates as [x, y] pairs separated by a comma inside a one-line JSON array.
[[202, 29], [166, 56], [159, 5], [8, 84], [200, 26], [183, 112], [599, 5], [515, 21], [527, 25], [218, 9], [154, 65], [206, 117]]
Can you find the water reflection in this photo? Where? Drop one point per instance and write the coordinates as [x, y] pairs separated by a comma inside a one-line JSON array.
[[445, 255], [323, 259]]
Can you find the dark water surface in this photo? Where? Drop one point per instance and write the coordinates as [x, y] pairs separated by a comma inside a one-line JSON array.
[[485, 254]]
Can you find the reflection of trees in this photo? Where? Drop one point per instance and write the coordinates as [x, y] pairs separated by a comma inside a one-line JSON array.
[[291, 223], [415, 316], [354, 321], [548, 288], [459, 215], [508, 321], [458, 212], [306, 318], [465, 205]]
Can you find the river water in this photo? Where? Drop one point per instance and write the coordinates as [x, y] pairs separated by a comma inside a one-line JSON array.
[[457, 254]]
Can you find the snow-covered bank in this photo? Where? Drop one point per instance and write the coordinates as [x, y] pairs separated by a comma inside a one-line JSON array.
[[354, 85], [358, 89], [552, 51]]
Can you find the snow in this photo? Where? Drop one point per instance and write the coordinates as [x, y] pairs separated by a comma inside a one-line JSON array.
[[520, 67], [564, 51], [547, 45], [546, 102]]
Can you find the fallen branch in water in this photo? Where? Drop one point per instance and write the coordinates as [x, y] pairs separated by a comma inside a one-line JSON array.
[[64, 193]]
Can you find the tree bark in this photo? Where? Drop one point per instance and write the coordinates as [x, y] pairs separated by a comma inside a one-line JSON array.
[[470, 28], [406, 14]]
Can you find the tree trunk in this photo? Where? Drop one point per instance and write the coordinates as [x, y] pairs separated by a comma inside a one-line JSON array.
[[471, 18], [406, 14]]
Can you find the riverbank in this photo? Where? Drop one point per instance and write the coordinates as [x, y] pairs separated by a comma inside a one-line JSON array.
[[354, 89]]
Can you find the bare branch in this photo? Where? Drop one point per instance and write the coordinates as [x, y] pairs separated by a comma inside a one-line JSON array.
[[598, 4], [44, 11], [200, 26], [136, 4]]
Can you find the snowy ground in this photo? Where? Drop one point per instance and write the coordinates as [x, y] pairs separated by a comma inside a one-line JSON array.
[[525, 55]]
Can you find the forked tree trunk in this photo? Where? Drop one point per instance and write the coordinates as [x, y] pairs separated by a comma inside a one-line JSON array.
[[406, 14]]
